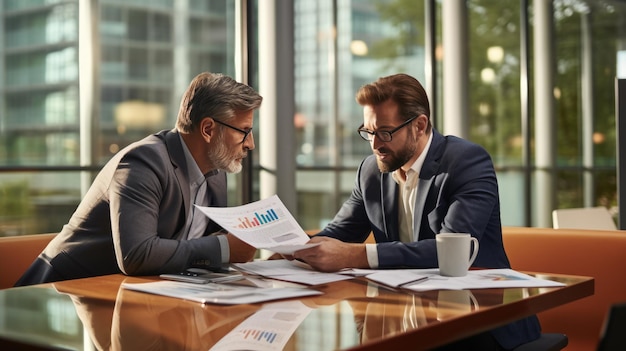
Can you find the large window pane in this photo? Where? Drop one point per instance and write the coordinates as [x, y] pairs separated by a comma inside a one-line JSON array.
[[338, 49], [145, 58], [588, 40], [37, 202]]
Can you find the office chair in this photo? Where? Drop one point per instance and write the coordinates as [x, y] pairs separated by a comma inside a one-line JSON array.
[[613, 337], [546, 342], [583, 218]]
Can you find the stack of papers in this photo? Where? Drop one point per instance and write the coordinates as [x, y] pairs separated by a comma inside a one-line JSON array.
[[430, 279], [291, 271], [219, 293], [398, 278]]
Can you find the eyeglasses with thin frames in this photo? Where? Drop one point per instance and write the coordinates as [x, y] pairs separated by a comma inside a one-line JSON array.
[[245, 132], [382, 135]]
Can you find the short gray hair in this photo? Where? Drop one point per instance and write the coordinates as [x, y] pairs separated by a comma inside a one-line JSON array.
[[217, 96]]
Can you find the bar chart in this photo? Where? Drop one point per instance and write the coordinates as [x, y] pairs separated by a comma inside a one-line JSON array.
[[258, 219], [259, 335]]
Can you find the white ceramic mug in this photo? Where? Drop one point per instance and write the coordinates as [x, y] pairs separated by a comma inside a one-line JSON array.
[[453, 253]]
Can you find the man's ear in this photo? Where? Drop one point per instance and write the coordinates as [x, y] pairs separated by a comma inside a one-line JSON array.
[[207, 128], [422, 122]]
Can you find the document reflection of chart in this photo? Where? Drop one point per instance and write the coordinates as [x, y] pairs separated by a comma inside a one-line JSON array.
[[253, 334], [259, 335]]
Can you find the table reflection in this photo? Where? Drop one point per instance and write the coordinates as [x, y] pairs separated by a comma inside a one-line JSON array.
[[268, 329], [138, 321], [368, 312], [348, 314]]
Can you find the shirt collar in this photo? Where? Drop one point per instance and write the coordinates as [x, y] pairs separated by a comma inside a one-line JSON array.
[[195, 175]]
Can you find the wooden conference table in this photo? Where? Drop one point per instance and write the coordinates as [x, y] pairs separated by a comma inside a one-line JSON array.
[[96, 313]]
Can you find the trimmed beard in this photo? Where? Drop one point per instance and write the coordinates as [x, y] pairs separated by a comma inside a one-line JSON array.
[[221, 157], [400, 158]]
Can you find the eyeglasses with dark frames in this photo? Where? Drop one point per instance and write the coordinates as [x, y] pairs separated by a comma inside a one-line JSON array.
[[382, 135], [245, 132]]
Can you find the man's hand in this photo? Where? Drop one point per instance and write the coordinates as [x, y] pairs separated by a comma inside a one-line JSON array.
[[239, 250], [332, 255]]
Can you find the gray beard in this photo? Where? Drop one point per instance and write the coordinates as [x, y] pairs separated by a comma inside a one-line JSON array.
[[222, 158]]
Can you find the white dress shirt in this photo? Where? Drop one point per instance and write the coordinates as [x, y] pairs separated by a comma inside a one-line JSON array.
[[406, 204], [196, 222]]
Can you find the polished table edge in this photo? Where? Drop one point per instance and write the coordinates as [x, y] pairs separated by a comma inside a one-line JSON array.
[[423, 338], [435, 335]]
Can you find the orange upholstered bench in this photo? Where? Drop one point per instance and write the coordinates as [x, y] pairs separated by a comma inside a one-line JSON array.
[[594, 253], [17, 253]]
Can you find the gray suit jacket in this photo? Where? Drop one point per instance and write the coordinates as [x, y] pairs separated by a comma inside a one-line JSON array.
[[132, 219], [457, 193]]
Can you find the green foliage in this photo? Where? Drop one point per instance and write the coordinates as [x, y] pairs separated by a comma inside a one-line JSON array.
[[14, 199], [406, 17]]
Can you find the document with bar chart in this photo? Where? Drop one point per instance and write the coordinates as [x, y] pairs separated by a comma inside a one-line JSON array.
[[264, 224]]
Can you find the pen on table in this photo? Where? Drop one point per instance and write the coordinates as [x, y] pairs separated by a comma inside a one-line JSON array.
[[229, 278], [418, 280]]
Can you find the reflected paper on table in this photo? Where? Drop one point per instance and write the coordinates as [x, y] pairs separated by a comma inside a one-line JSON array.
[[268, 329]]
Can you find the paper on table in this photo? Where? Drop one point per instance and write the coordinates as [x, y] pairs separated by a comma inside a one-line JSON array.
[[218, 293], [264, 224], [292, 271], [480, 279], [274, 267], [398, 277]]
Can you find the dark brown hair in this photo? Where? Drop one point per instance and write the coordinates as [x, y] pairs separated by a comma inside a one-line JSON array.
[[406, 91]]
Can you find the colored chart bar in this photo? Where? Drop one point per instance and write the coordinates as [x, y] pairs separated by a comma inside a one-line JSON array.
[[258, 219], [259, 335]]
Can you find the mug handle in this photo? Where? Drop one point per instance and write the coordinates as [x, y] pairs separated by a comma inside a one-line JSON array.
[[474, 251], [474, 301]]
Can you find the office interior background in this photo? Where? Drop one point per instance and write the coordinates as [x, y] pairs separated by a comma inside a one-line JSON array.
[[531, 81]]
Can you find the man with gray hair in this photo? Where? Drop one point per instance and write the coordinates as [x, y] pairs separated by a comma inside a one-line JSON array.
[[138, 216]]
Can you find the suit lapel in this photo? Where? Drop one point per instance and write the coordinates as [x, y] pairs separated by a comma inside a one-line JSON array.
[[217, 189], [426, 178], [420, 201], [389, 197], [177, 157]]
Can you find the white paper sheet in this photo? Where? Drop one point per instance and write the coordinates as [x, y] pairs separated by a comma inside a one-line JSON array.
[[264, 224], [291, 271], [398, 277], [218, 293], [480, 279]]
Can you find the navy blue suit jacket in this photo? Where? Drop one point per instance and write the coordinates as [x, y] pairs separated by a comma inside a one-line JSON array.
[[457, 193]]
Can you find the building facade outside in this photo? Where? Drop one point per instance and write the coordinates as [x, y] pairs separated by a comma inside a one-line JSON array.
[[57, 129], [81, 79]]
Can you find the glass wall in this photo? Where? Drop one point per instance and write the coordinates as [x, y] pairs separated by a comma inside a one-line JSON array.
[[146, 52], [339, 46], [588, 39], [380, 37]]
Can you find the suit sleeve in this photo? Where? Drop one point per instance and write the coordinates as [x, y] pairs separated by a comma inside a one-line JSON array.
[[145, 207], [351, 223]]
